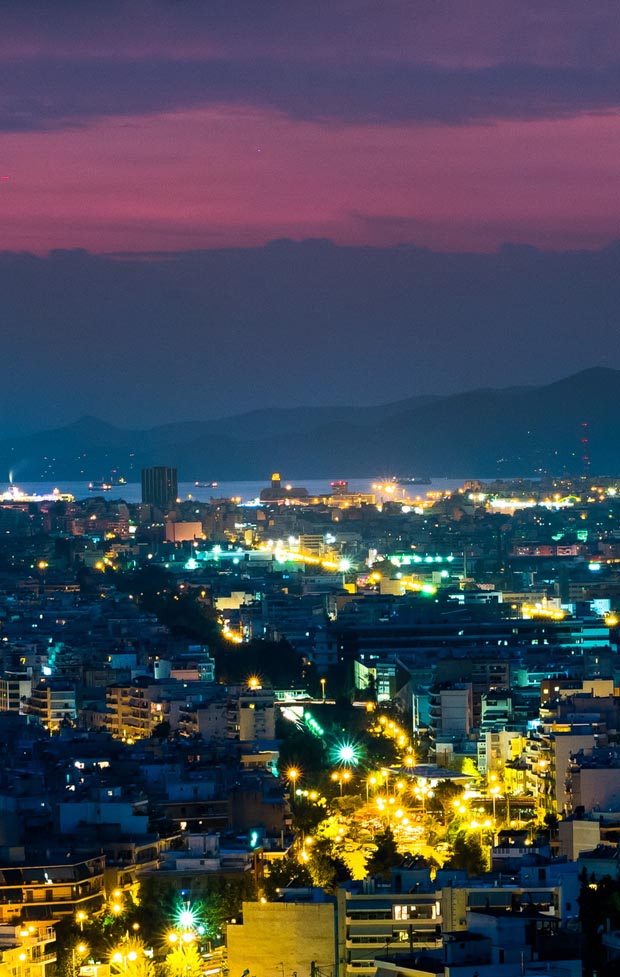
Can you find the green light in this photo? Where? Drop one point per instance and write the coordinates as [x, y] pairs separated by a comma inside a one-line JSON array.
[[346, 753], [186, 918]]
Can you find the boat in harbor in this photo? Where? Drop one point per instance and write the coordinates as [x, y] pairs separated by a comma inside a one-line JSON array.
[[15, 494], [100, 486]]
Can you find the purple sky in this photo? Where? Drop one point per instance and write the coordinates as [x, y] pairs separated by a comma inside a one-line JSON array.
[[175, 124], [187, 126]]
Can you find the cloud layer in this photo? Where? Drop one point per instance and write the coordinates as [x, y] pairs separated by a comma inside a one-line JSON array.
[[154, 124], [210, 333]]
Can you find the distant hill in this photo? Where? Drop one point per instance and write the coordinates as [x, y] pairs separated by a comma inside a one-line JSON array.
[[514, 431]]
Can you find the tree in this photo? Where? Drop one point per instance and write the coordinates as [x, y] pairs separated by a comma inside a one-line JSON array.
[[386, 855], [326, 867], [467, 854], [128, 959], [446, 792], [284, 873], [184, 961]]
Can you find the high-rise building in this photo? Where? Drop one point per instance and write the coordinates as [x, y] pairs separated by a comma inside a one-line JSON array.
[[160, 486]]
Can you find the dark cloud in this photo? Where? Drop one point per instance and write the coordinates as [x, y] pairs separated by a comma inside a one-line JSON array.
[[343, 61], [204, 334], [41, 94], [438, 31]]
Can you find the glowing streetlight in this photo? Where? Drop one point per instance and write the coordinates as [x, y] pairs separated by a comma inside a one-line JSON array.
[[81, 918], [292, 775], [78, 952], [370, 781], [422, 791], [121, 959], [494, 791], [341, 778]]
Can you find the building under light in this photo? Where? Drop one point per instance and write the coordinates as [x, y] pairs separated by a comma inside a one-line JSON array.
[[160, 486]]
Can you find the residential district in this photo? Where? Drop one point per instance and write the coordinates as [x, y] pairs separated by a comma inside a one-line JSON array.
[[315, 736]]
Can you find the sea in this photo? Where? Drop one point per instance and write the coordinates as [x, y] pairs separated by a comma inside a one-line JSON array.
[[384, 489]]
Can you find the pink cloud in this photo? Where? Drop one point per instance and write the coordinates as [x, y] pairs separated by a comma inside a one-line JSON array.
[[225, 177]]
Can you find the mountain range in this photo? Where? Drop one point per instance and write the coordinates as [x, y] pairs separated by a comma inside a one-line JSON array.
[[485, 432]]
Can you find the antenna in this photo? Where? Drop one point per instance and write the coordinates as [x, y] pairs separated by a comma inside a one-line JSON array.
[[585, 448]]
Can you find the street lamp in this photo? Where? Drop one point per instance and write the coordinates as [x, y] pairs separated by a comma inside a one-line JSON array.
[[185, 937], [81, 917], [423, 790], [121, 959], [341, 778], [80, 951], [292, 775], [494, 791], [371, 781]]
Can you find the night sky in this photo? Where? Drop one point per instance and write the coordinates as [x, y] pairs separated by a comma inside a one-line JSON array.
[[392, 128]]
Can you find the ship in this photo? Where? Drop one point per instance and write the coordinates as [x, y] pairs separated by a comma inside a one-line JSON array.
[[206, 484], [99, 486], [15, 494]]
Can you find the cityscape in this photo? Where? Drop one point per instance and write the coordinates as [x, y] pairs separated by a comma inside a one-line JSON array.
[[309, 488], [381, 725]]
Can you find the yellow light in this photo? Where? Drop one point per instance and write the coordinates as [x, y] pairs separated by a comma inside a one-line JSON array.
[[292, 773], [172, 938], [42, 565]]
